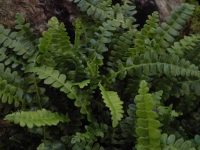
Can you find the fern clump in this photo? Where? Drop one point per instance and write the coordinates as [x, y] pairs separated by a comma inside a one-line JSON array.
[[92, 74]]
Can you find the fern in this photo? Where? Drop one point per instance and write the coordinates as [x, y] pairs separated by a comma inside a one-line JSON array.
[[88, 139], [147, 125], [56, 49], [54, 43], [119, 53], [170, 29], [57, 80], [155, 64], [144, 39], [185, 45], [155, 37], [10, 86], [113, 102], [108, 48], [170, 142], [37, 118], [17, 43], [96, 8]]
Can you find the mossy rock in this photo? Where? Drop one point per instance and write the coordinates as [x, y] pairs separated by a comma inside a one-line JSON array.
[[30, 9]]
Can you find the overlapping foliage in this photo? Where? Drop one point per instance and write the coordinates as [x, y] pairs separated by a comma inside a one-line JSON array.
[[85, 86]]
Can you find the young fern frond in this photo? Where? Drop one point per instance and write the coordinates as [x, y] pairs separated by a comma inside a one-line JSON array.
[[115, 105], [147, 125], [10, 86], [37, 118]]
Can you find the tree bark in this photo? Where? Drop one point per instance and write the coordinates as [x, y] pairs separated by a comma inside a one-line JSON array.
[[166, 6]]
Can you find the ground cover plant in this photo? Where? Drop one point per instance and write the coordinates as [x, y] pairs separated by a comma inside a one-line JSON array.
[[113, 86]]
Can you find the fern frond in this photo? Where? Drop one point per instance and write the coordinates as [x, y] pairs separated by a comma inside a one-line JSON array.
[[144, 39], [57, 80], [170, 30], [154, 64], [185, 45], [10, 86], [113, 102], [17, 43], [96, 8], [55, 39], [169, 142], [147, 125], [54, 43], [54, 78], [87, 139], [119, 53], [37, 118]]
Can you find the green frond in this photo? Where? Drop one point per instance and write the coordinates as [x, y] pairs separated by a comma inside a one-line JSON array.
[[113, 102], [96, 8], [23, 27], [55, 39], [185, 45], [147, 125], [128, 9], [154, 64], [105, 34], [37, 118], [10, 86], [170, 142], [54, 78], [121, 44], [86, 140], [144, 39], [170, 30], [17, 43], [57, 80], [54, 42]]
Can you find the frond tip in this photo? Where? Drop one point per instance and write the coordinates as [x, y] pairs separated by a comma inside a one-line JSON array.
[[37, 118], [113, 102]]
